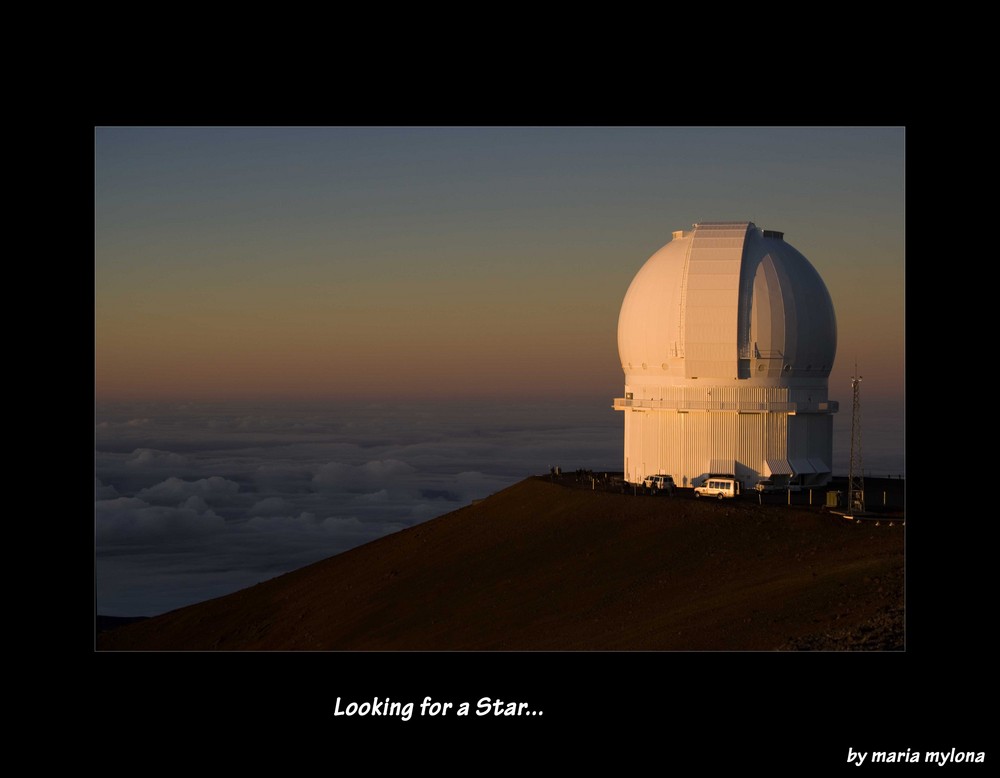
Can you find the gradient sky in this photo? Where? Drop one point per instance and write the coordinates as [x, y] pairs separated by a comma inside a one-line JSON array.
[[243, 263]]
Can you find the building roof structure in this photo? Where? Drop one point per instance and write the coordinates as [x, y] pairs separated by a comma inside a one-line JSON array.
[[727, 301]]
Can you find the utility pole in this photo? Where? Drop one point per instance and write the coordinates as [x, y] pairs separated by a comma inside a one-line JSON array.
[[856, 476]]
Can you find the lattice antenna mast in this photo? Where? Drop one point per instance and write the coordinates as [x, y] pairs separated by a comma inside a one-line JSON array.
[[856, 477]]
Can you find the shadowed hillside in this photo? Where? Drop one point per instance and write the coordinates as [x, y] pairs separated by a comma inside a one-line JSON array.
[[542, 567]]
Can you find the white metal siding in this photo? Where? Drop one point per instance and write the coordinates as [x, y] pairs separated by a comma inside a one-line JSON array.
[[711, 300], [690, 444]]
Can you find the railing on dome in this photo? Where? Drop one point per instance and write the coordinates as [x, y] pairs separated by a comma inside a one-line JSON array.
[[752, 352], [743, 406]]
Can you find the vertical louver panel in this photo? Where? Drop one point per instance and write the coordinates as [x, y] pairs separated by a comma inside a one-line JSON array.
[[710, 303]]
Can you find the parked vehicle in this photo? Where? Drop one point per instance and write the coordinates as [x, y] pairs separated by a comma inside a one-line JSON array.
[[660, 483], [720, 488], [767, 485]]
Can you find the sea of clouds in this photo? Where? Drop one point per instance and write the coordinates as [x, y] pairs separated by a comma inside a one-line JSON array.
[[196, 501]]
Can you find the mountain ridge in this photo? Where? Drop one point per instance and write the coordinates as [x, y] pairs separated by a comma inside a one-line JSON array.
[[542, 567]]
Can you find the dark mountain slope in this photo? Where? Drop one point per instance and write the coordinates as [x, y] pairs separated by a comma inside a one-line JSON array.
[[542, 567]]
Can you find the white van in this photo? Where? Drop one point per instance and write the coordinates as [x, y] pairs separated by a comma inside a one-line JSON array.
[[718, 487]]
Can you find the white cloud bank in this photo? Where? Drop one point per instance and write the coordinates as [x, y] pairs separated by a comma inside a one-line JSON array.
[[198, 501]]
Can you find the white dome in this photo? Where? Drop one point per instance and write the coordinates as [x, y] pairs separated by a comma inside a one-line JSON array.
[[727, 301]]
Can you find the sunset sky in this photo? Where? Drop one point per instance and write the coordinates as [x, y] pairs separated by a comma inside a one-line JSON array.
[[314, 263], [308, 338]]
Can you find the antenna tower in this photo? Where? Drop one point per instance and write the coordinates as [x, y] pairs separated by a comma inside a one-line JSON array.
[[856, 477]]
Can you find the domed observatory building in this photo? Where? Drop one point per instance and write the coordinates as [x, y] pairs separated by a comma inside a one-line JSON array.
[[727, 336]]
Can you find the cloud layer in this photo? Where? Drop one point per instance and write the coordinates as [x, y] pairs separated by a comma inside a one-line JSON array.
[[193, 502]]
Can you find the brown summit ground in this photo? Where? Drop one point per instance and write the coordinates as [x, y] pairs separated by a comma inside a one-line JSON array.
[[542, 567]]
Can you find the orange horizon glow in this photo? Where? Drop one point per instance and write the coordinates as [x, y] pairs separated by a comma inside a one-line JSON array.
[[456, 262]]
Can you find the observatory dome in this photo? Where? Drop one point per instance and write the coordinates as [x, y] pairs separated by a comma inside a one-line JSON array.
[[727, 301], [727, 337]]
